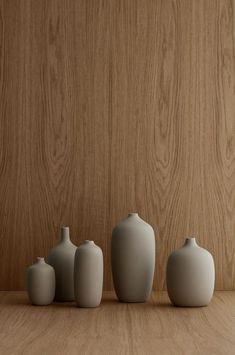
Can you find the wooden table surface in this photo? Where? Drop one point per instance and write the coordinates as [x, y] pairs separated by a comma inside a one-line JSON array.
[[155, 327]]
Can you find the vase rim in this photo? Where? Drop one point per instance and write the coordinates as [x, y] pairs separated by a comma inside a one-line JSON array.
[[133, 214], [91, 242], [190, 241]]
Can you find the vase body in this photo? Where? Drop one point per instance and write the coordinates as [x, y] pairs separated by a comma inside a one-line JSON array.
[[41, 283], [190, 275], [61, 258], [133, 259], [88, 275]]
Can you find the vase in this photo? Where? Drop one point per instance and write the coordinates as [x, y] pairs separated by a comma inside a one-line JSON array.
[[41, 283], [88, 275], [133, 259], [190, 275], [61, 258]]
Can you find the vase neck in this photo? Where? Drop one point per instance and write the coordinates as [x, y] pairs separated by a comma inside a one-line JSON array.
[[40, 260], [190, 241], [64, 236]]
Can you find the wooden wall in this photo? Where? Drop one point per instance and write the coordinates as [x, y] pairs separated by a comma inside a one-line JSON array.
[[116, 106]]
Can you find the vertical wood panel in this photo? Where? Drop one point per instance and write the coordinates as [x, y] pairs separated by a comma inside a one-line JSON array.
[[114, 106]]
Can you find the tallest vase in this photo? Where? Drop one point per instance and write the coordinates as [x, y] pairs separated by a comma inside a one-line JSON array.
[[133, 259]]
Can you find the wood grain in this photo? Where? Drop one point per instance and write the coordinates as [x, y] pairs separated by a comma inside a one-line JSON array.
[[117, 328], [110, 107]]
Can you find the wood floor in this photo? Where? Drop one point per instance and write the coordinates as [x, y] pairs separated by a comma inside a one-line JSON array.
[[155, 327]]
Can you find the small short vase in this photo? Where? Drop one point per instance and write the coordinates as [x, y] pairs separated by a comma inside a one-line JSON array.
[[61, 257], [41, 283], [88, 275], [133, 259], [190, 275]]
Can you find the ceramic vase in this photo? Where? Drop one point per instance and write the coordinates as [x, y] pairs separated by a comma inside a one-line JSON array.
[[133, 259], [190, 275], [41, 283], [61, 258], [88, 275]]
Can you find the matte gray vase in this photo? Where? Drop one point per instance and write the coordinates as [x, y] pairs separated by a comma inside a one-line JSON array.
[[61, 258], [190, 275], [41, 283], [88, 275], [133, 259]]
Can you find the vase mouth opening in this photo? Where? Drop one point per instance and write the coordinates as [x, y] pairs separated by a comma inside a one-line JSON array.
[[89, 242], [190, 241], [133, 214]]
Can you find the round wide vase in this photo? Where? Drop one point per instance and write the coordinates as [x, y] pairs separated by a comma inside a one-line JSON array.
[[133, 259], [41, 283], [88, 275], [190, 275], [62, 258]]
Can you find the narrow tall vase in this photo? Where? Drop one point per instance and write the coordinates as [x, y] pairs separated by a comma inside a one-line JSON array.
[[88, 274], [61, 258], [41, 283], [190, 275], [133, 259]]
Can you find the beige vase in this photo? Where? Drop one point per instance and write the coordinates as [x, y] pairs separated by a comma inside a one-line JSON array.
[[190, 275], [41, 283], [61, 258], [88, 275], [133, 259]]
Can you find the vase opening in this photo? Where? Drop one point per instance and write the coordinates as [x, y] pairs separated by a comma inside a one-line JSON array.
[[133, 214], [91, 242]]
